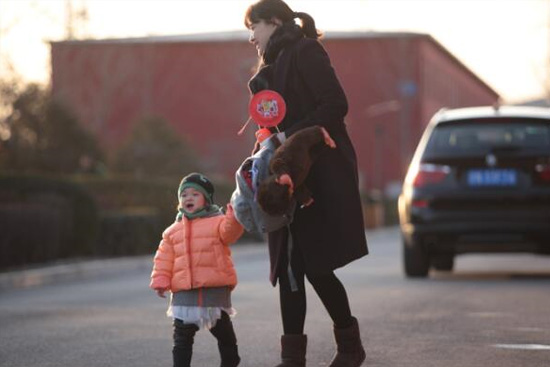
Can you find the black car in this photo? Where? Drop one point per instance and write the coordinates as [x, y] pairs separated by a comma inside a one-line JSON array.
[[479, 182]]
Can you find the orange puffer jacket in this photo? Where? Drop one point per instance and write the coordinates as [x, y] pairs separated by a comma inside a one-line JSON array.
[[195, 254]]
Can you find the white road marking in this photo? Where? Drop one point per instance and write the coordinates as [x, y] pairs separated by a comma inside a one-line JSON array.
[[523, 346]]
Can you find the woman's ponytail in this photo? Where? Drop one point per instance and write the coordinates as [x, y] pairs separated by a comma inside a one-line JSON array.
[[308, 25], [268, 9]]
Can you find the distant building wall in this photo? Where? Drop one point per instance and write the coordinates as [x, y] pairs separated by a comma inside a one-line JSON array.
[[373, 71], [394, 83], [113, 85], [447, 83]]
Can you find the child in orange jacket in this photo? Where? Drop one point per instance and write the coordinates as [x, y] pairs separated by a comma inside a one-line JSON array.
[[193, 262]]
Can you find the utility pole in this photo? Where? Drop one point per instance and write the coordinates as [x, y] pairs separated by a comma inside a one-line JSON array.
[[69, 20], [75, 19], [547, 84]]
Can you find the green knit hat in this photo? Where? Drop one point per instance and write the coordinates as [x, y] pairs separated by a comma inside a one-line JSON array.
[[199, 182]]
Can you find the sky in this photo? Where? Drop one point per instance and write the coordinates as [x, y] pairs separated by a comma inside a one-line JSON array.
[[505, 42]]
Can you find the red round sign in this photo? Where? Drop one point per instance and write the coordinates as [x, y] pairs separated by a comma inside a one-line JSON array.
[[267, 108]]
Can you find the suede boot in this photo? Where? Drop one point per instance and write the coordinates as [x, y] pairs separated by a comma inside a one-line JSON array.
[[229, 355], [350, 352], [293, 350]]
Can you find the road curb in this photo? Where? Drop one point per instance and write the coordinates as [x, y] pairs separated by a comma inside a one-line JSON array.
[[75, 270], [89, 269]]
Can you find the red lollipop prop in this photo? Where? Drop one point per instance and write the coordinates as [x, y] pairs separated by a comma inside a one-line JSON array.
[[267, 108]]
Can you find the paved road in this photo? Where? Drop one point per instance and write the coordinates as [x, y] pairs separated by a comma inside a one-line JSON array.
[[492, 311]]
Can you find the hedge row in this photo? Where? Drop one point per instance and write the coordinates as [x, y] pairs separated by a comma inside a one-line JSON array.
[[44, 219], [118, 193]]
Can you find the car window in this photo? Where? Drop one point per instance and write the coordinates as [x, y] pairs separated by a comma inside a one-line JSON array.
[[473, 137]]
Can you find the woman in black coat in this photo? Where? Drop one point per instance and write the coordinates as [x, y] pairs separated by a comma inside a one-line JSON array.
[[329, 233]]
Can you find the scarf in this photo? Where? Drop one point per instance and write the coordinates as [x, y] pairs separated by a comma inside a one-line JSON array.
[[286, 34], [283, 36], [207, 211]]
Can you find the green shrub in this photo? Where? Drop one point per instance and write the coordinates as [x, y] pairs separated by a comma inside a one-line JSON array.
[[391, 212], [134, 212], [40, 134], [44, 219], [153, 149], [122, 193], [133, 231]]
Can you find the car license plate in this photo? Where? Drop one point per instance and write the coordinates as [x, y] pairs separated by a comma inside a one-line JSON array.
[[492, 177]]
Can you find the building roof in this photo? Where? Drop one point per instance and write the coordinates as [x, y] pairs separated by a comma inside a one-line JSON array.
[[195, 37], [236, 36], [243, 35]]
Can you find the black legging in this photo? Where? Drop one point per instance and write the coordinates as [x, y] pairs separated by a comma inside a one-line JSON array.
[[184, 334], [293, 304]]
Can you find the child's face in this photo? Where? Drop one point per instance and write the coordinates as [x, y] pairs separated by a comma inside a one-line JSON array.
[[192, 200]]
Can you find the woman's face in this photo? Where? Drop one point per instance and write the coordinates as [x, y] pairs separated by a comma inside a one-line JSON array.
[[260, 33]]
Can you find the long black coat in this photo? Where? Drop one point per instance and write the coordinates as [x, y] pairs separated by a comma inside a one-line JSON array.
[[330, 232]]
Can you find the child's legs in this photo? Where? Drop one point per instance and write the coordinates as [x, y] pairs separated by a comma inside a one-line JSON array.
[[184, 336], [227, 341], [223, 331], [334, 297]]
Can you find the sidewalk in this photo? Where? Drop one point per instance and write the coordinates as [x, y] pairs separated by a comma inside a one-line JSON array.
[[74, 269], [88, 269], [71, 270]]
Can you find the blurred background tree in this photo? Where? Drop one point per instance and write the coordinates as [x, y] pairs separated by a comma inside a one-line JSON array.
[[154, 149], [43, 152], [39, 134]]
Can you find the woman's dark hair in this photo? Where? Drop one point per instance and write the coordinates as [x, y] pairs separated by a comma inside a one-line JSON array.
[[266, 10]]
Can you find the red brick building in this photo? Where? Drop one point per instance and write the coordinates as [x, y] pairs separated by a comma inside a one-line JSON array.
[[394, 83]]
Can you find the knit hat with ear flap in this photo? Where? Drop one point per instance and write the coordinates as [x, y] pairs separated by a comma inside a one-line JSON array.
[[199, 182]]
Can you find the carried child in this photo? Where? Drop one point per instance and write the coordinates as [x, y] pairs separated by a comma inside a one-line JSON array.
[[193, 262]]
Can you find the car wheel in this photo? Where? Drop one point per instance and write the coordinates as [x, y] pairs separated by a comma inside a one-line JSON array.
[[443, 262], [416, 260]]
